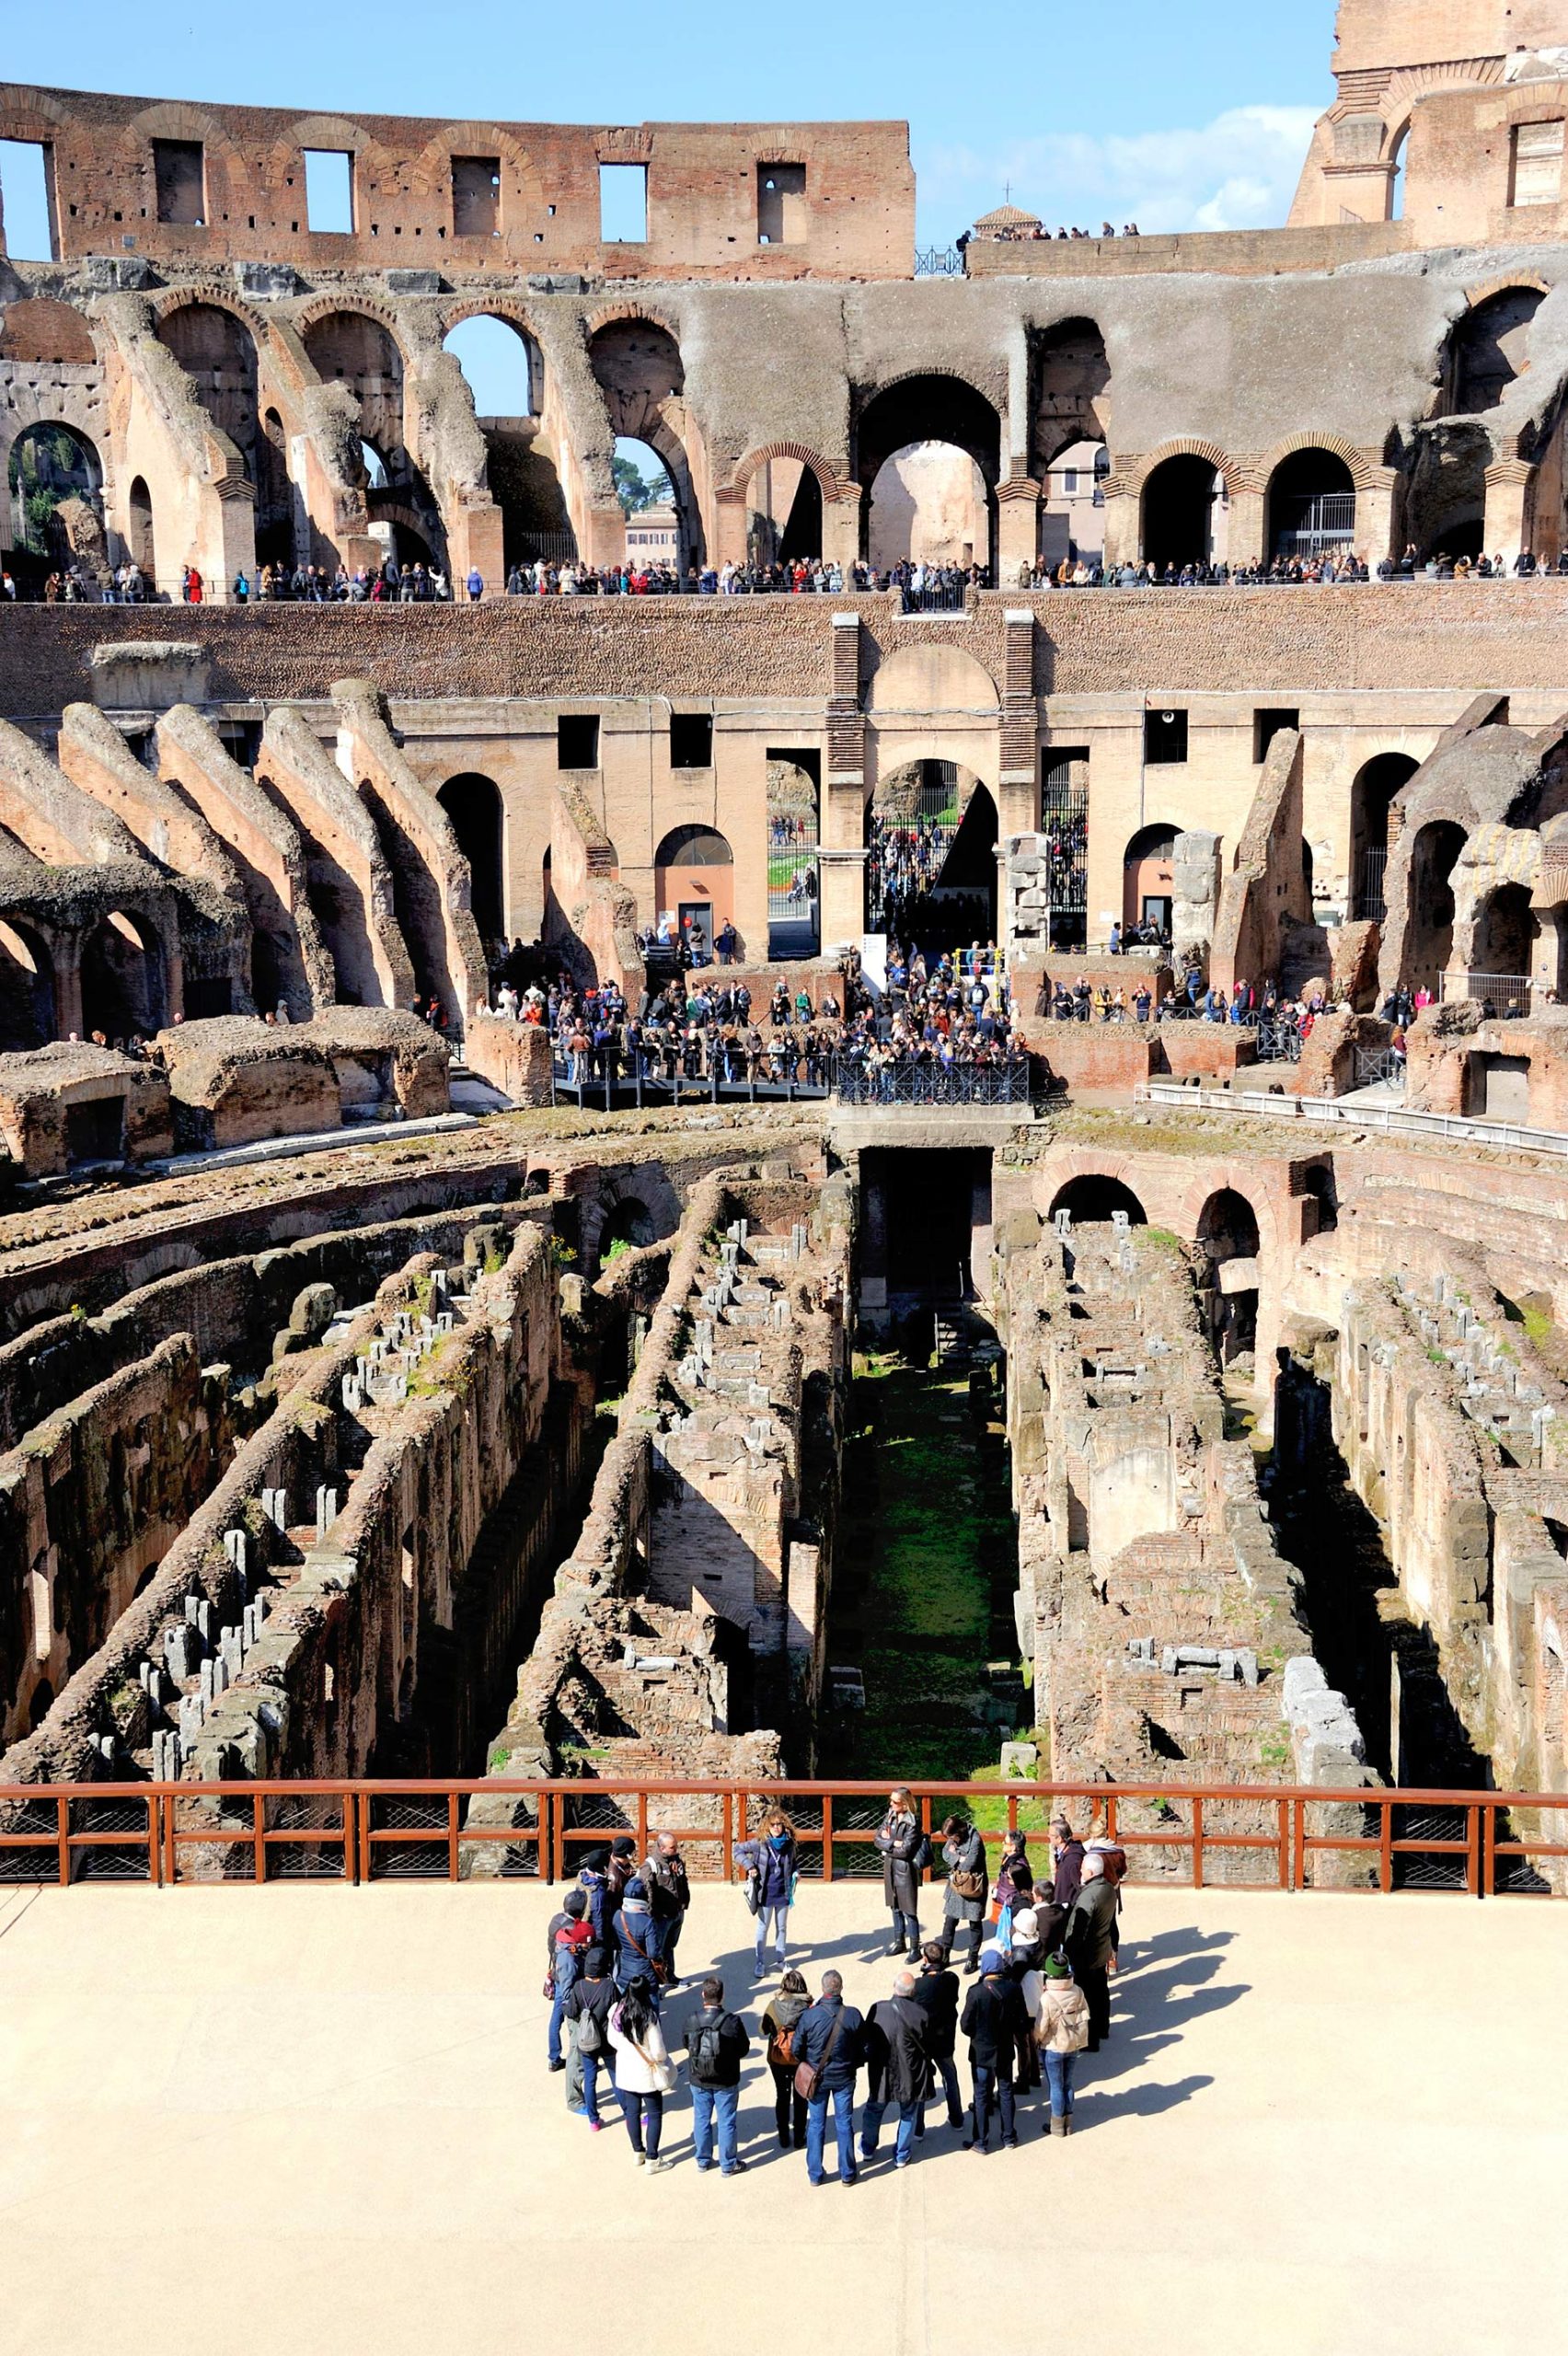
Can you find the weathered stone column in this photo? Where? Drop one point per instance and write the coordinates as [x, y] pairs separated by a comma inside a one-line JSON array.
[[1017, 528], [1510, 507], [842, 854], [1017, 796]]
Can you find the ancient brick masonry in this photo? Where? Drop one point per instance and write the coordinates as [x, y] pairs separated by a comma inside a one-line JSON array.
[[1161, 1621], [695, 1599]]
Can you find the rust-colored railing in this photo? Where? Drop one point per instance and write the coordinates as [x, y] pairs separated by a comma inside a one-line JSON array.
[[1487, 1843]]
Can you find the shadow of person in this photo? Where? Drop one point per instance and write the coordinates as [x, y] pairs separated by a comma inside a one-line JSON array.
[[1146, 2101]]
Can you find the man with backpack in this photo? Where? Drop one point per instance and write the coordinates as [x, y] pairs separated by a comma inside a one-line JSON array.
[[936, 1992], [588, 2026], [566, 1942], [717, 2043]]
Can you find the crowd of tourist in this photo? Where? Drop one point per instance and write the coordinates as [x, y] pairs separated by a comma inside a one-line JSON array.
[[1034, 232], [1287, 571], [933, 1017], [1040, 1951]]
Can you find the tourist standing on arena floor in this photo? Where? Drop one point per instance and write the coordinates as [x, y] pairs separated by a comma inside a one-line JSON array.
[[780, 2021], [827, 2055], [770, 1867], [669, 1894], [637, 1940], [902, 2030], [588, 2009], [1062, 2035], [644, 2071], [904, 1849], [567, 1940], [1087, 1940], [993, 2021], [936, 1992], [963, 1854], [717, 2042]]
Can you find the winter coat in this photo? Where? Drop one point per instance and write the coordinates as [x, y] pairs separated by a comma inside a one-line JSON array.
[[650, 2072], [936, 1992], [1062, 2026], [1069, 1873], [669, 1893], [635, 1930], [734, 2043], [1087, 1938], [780, 2020], [995, 2017], [899, 1839], [968, 1857], [769, 1872], [904, 2029]]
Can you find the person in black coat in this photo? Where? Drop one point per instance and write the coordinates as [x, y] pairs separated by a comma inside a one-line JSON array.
[[936, 1991], [902, 2031], [995, 2019], [1067, 1851], [904, 1851]]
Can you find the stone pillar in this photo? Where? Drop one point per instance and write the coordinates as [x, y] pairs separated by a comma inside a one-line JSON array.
[[68, 956], [842, 853], [605, 541], [1121, 523], [1374, 517], [841, 530], [1017, 796], [1510, 507], [872, 1247], [1244, 538], [729, 526], [1017, 528], [474, 539]]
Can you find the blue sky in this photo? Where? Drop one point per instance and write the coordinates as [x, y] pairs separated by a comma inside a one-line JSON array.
[[1178, 118]]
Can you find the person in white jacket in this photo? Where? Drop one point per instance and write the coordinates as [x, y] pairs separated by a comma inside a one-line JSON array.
[[644, 2072]]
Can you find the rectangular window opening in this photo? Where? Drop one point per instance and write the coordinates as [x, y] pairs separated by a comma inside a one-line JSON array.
[[623, 204], [1165, 737], [330, 192], [180, 176], [577, 740], [476, 196], [27, 200], [780, 205], [1266, 725], [691, 740], [1537, 176]]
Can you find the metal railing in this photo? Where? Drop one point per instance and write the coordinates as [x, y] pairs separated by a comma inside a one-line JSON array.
[[1503, 990], [357, 1831], [1352, 1113], [938, 261], [804, 1079]]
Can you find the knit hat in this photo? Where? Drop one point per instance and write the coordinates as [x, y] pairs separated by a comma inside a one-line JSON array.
[[575, 1902], [992, 1959], [1058, 1968], [635, 1888], [625, 1847], [1026, 1927]]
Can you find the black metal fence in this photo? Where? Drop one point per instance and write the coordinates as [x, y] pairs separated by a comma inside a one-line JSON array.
[[850, 1079]]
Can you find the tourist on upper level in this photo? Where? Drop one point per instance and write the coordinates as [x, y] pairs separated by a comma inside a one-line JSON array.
[[904, 1852], [717, 2042], [587, 2015], [963, 1854], [896, 2041], [995, 2019], [669, 1895], [827, 2056], [1062, 2034], [644, 2071], [566, 1942]]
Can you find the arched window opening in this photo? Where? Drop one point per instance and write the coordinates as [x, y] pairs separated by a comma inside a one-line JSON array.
[[1311, 505], [123, 992], [1071, 402], [502, 366], [1182, 501], [783, 513], [1072, 513], [639, 369], [144, 554], [1094, 1201], [1396, 197], [217, 351], [274, 499], [927, 453], [353, 349], [56, 486], [1376, 782], [1227, 1240], [647, 497], [473, 803], [1502, 939], [793, 904], [494, 357], [694, 882], [1489, 349], [1431, 934], [1148, 881], [931, 869], [1446, 497], [27, 990]]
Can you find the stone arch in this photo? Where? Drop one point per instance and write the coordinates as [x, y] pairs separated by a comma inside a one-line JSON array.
[[209, 294], [28, 1015], [1185, 446], [142, 539], [1177, 495], [694, 879], [1147, 874], [930, 679], [1428, 942], [638, 365], [922, 410], [1503, 931], [124, 984], [353, 343], [799, 453], [931, 834], [1310, 488], [56, 500], [1094, 1196], [1372, 793], [1070, 380], [473, 802], [1365, 472]]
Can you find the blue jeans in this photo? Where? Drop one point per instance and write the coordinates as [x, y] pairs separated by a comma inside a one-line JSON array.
[[590, 2084], [711, 2105], [993, 2089], [871, 2128], [558, 2011], [1059, 2076], [906, 1929], [843, 2101], [778, 1917]]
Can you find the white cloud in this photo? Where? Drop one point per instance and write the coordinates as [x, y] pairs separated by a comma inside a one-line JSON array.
[[1238, 172]]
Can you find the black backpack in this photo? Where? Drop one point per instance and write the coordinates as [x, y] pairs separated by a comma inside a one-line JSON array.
[[705, 2048]]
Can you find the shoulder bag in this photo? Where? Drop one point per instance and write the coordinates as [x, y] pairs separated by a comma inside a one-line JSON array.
[[808, 2075]]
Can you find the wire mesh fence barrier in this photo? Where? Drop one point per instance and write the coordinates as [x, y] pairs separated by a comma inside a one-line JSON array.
[[622, 1083], [1199, 1835]]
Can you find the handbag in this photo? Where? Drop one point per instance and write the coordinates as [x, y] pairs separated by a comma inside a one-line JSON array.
[[967, 1885], [808, 2075]]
